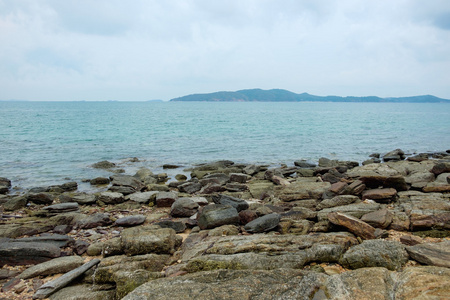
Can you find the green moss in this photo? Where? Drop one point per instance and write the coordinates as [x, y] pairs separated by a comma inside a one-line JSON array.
[[209, 265], [434, 233]]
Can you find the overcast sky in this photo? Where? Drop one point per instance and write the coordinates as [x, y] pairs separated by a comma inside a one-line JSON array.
[[145, 49]]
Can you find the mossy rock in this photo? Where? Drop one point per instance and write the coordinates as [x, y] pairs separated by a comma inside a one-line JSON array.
[[127, 281]]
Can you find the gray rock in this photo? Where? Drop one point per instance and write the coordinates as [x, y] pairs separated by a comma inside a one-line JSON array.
[[302, 190], [337, 201], [251, 169], [304, 164], [41, 198], [215, 215], [130, 221], [434, 254], [148, 239], [394, 155], [99, 181], [111, 197], [15, 203], [179, 227], [83, 292], [128, 181], [190, 187], [54, 266], [95, 220], [376, 253], [62, 208], [80, 247], [379, 219], [124, 190], [263, 224], [239, 177], [58, 240], [237, 203], [84, 199], [165, 199], [183, 207], [219, 178], [104, 165], [356, 210], [22, 253], [144, 197]]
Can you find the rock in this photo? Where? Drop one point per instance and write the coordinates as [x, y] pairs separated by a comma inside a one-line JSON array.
[[181, 177], [62, 229], [434, 254], [337, 201], [302, 190], [400, 221], [23, 253], [165, 199], [111, 197], [80, 247], [224, 230], [83, 199], [376, 253], [95, 220], [299, 213], [237, 203], [356, 210], [354, 225], [219, 178], [190, 187], [5, 182], [100, 181], [8, 274], [56, 239], [338, 187], [236, 187], [148, 239], [54, 266], [215, 215], [124, 190], [259, 189], [146, 176], [183, 207], [442, 167], [104, 165], [212, 188], [378, 219], [127, 281], [410, 240], [263, 224], [62, 208], [127, 181], [83, 292], [40, 198], [304, 164], [355, 188], [143, 198], [130, 221], [15, 203], [394, 155], [251, 169], [246, 216], [380, 195], [239, 177], [179, 227], [418, 158]]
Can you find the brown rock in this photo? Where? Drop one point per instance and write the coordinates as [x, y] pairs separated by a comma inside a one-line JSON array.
[[440, 168], [378, 219], [338, 187], [432, 188], [246, 216], [280, 181], [410, 240], [380, 195], [355, 188], [354, 225]]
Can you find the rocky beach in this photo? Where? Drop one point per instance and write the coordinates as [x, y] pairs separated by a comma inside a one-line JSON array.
[[330, 229]]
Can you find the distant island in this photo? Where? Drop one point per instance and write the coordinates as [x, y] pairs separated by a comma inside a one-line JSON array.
[[279, 95]]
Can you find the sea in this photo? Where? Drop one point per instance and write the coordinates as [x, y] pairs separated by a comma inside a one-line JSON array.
[[47, 143]]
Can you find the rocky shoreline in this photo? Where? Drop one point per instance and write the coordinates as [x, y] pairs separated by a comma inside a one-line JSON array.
[[327, 230]]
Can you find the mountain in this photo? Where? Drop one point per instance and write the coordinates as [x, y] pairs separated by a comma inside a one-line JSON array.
[[278, 95]]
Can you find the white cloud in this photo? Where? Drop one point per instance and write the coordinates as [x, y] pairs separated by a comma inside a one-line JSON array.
[[56, 50]]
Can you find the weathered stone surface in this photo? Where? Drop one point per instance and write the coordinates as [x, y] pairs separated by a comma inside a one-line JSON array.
[[179, 227], [83, 292], [237, 203], [215, 215], [239, 177], [99, 181], [354, 225], [54, 266], [190, 187], [111, 197], [224, 230], [373, 170], [92, 221], [394, 155], [376, 253], [338, 187], [82, 199], [380, 195], [23, 253], [15, 203], [165, 199], [379, 219], [356, 210], [434, 254], [127, 180], [144, 197], [337, 201], [260, 189], [80, 247], [124, 190], [62, 208], [263, 224], [183, 207], [442, 167], [40, 198], [130, 221], [400, 221], [302, 190], [148, 239], [104, 164], [58, 240], [246, 216]]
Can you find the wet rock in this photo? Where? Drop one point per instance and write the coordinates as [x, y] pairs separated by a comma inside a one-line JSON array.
[[23, 253], [354, 225], [111, 197], [394, 155], [40, 198], [165, 199], [434, 254], [54, 266], [181, 177], [380, 195], [376, 253], [15, 203], [130, 221], [148, 239], [99, 181], [237, 203], [104, 165], [215, 215], [378, 219], [95, 220], [304, 164], [183, 207], [146, 176], [263, 224], [179, 227]]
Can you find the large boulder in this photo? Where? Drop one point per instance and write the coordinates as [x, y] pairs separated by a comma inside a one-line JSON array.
[[376, 253], [215, 215], [149, 239]]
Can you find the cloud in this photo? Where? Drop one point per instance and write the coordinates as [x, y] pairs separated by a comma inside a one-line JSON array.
[[139, 50]]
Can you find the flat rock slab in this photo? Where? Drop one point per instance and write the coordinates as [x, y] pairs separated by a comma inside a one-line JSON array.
[[54, 266], [435, 254], [376, 253], [129, 221], [354, 225], [263, 224], [83, 292], [380, 195], [62, 207], [59, 240], [23, 253]]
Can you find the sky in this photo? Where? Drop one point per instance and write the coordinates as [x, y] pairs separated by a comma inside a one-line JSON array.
[[53, 50]]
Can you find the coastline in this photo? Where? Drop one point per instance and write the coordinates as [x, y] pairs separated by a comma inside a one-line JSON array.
[[224, 225]]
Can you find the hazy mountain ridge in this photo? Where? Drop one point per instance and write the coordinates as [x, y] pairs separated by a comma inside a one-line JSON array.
[[279, 95]]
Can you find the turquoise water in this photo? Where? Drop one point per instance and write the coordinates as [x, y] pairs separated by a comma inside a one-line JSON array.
[[45, 143]]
